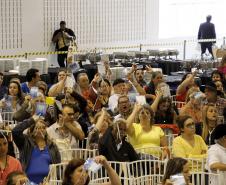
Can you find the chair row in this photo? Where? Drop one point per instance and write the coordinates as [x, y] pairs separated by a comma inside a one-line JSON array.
[[143, 172]]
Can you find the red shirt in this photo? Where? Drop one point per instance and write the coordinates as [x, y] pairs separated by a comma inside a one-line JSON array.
[[12, 165], [182, 96]]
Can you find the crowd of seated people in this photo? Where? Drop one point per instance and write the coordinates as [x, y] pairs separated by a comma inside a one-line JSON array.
[[124, 119]]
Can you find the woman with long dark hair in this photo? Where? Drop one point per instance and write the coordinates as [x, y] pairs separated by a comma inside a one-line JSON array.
[[176, 166], [8, 163], [165, 113], [75, 173], [100, 99], [13, 99]]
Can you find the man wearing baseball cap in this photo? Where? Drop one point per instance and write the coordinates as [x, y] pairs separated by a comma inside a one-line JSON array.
[[211, 97], [216, 160]]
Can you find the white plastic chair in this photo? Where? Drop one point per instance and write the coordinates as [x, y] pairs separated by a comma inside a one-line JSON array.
[[125, 181], [119, 167], [6, 119], [203, 178], [150, 153], [149, 180], [146, 168], [56, 172], [83, 144], [170, 138], [197, 165], [79, 153]]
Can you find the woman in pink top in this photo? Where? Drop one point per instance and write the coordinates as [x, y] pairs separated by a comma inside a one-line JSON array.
[[8, 164]]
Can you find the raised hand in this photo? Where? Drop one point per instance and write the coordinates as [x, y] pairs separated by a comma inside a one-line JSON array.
[[101, 160], [134, 67], [27, 99], [137, 107], [97, 77], [69, 90], [148, 69]]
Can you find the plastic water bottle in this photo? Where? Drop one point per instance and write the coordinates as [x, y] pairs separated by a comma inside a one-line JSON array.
[[30, 183], [91, 165]]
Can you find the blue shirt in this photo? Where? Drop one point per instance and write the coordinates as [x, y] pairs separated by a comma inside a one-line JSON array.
[[38, 167], [25, 88]]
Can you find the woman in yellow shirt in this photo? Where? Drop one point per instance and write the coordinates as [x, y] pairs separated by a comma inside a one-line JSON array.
[[188, 144], [143, 135]]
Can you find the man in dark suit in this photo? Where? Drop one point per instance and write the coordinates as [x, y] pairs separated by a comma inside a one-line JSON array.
[[62, 38], [207, 31]]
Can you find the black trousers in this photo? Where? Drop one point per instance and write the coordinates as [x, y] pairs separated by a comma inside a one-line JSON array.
[[206, 45], [62, 58]]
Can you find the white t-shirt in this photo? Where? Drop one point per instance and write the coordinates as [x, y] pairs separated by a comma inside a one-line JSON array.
[[216, 153]]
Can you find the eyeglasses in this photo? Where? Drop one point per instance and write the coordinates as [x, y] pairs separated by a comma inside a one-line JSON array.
[[70, 114], [190, 125]]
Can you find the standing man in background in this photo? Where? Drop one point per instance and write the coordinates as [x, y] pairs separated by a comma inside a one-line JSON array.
[[207, 31], [62, 38]]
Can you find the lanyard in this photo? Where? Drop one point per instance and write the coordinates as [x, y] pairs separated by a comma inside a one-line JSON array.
[[210, 132]]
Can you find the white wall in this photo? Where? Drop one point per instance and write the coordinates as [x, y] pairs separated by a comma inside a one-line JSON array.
[[96, 23]]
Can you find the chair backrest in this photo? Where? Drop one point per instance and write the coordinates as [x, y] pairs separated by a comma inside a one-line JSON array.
[[153, 152], [6, 119], [146, 167], [197, 165], [83, 144], [79, 153], [106, 180], [143, 172], [56, 172], [119, 167], [154, 179], [202, 178], [170, 138]]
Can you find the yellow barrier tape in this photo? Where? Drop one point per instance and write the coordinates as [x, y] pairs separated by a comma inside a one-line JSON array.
[[13, 56], [33, 53], [154, 44]]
